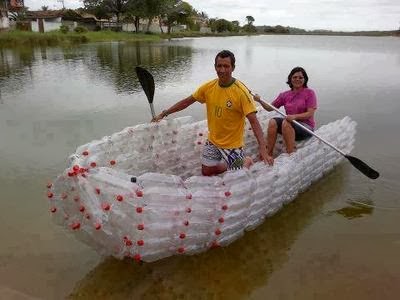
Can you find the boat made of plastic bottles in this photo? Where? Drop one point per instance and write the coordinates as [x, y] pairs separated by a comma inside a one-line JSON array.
[[139, 192]]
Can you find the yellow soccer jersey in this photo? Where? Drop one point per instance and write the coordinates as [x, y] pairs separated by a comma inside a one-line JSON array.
[[227, 107]]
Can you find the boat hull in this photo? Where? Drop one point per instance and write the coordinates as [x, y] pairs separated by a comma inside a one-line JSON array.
[[139, 193]]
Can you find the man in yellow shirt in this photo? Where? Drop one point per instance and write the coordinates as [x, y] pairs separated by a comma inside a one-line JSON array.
[[228, 102]]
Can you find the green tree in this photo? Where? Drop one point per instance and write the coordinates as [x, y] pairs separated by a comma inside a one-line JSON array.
[[222, 25], [135, 11], [98, 8], [116, 7], [155, 8], [249, 27], [169, 13], [235, 26], [179, 12], [211, 23], [281, 29], [250, 20]]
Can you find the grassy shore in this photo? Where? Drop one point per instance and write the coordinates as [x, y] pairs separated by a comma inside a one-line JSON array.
[[56, 38]]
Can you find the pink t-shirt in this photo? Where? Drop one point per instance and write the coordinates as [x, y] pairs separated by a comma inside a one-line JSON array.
[[297, 102]]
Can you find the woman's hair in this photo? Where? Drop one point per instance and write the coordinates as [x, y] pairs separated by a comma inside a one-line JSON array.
[[295, 70], [225, 54]]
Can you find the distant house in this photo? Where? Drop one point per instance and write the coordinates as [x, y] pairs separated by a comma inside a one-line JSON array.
[[202, 22], [90, 21], [45, 21], [73, 18], [4, 22]]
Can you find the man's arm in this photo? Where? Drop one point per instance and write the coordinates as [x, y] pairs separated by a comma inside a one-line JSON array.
[[181, 105], [262, 146]]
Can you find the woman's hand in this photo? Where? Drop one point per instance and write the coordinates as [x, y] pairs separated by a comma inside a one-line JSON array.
[[290, 118]]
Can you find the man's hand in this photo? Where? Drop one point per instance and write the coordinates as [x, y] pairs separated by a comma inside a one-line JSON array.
[[161, 116], [265, 157], [158, 118]]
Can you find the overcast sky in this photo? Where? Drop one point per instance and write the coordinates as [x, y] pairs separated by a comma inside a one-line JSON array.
[[344, 15]]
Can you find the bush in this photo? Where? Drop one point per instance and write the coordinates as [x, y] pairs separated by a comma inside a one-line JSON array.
[[23, 26], [116, 28], [64, 28], [80, 29]]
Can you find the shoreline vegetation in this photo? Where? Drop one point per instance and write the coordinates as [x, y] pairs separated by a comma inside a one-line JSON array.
[[56, 38]]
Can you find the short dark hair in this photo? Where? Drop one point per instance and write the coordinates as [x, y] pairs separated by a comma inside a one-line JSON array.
[[295, 70], [224, 54]]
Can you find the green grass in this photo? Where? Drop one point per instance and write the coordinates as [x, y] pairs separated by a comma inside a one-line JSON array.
[[55, 38], [24, 38]]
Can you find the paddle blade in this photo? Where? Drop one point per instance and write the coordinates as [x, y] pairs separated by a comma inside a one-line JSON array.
[[147, 82], [362, 167]]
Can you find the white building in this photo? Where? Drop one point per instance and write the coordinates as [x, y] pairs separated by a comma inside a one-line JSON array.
[[4, 22]]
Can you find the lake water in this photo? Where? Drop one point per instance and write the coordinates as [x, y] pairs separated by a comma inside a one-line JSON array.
[[338, 240]]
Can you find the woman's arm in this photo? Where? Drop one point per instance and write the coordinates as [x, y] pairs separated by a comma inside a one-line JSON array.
[[303, 116]]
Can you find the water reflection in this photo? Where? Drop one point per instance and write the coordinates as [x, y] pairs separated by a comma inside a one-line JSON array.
[[356, 210], [116, 62], [233, 272], [112, 63], [15, 68]]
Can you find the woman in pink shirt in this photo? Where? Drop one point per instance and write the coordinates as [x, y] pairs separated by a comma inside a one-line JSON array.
[[300, 104]]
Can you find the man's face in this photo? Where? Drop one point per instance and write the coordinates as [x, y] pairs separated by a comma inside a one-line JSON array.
[[224, 69]]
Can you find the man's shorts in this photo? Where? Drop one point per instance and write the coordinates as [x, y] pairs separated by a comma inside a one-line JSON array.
[[212, 156], [300, 133]]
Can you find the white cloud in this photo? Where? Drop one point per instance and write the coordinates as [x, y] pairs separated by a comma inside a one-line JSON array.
[[307, 14]]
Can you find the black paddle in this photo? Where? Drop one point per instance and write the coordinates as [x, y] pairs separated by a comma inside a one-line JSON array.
[[147, 82], [357, 163]]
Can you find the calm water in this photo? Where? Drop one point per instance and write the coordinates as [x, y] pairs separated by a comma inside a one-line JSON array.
[[338, 240]]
